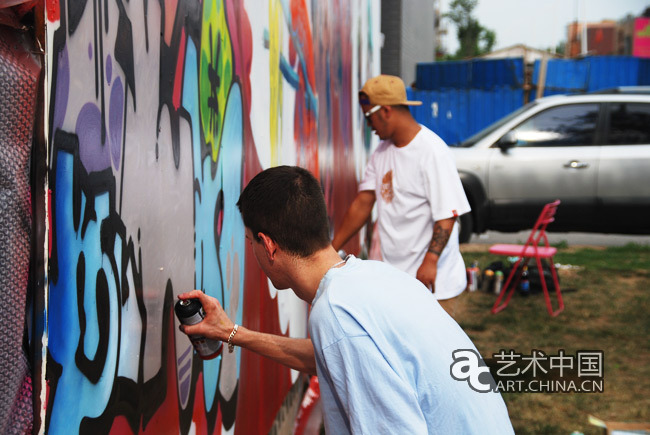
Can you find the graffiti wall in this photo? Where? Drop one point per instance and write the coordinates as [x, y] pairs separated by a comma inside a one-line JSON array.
[[157, 114]]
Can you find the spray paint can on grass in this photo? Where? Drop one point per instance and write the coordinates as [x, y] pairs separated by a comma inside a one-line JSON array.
[[190, 312], [498, 282]]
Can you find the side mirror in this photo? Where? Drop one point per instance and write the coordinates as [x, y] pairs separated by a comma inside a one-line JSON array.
[[507, 141]]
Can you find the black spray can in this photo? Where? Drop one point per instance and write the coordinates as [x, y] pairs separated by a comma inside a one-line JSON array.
[[190, 312]]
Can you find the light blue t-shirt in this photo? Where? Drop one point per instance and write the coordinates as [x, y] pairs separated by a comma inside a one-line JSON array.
[[384, 348]]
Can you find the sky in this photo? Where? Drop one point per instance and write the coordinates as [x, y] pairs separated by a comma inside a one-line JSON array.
[[538, 23]]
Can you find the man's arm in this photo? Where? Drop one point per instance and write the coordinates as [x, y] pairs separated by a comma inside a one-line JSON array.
[[295, 353], [429, 268], [356, 216]]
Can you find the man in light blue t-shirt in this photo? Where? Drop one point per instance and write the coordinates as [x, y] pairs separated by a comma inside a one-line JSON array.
[[383, 357]]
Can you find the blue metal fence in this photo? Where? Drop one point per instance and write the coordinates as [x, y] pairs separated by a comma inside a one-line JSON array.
[[454, 114], [462, 97], [478, 73], [592, 74], [440, 75], [563, 76], [497, 73]]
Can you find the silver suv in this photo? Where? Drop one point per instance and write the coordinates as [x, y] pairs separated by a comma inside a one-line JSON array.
[[591, 151]]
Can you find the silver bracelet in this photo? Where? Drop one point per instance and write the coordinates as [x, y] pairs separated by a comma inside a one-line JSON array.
[[231, 345]]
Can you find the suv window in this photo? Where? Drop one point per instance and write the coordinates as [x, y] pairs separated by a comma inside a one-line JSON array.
[[629, 124], [470, 141], [568, 125]]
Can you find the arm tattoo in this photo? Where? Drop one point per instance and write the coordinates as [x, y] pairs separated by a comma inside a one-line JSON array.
[[439, 240]]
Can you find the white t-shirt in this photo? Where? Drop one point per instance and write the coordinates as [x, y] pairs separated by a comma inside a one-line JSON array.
[[416, 185]]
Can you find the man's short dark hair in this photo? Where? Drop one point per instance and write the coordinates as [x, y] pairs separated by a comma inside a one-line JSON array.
[[286, 203], [403, 108]]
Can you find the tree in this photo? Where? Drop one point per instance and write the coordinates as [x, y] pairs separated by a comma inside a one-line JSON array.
[[473, 38]]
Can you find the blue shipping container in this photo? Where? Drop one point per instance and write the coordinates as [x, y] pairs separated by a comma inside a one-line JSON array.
[[436, 75], [455, 114], [477, 73], [496, 73], [566, 75], [460, 98], [593, 73]]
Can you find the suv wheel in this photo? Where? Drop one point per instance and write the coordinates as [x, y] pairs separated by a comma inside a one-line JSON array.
[[466, 225]]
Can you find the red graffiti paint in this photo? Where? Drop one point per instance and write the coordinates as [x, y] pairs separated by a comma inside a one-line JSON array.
[[53, 12], [166, 415], [258, 402], [198, 417], [171, 11], [337, 108], [121, 426], [301, 53], [178, 77], [309, 402]]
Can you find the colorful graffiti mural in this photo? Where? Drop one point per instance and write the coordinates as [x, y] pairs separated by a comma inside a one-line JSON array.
[[158, 114]]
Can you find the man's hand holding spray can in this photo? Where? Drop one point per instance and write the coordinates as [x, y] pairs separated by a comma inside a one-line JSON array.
[[190, 312]]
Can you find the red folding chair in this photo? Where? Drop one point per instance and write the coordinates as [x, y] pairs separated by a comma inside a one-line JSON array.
[[531, 249]]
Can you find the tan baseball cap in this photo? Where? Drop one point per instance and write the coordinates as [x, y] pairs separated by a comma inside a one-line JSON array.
[[385, 90]]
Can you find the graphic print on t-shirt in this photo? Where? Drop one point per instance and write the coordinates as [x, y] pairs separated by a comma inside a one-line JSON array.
[[387, 187]]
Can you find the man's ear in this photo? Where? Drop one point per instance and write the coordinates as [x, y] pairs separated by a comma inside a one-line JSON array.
[[386, 112], [269, 245]]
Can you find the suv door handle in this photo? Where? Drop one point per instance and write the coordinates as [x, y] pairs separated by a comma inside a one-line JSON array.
[[575, 164]]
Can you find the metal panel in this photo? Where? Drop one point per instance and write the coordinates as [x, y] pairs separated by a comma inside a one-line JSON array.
[[391, 27], [644, 72], [455, 114], [488, 106], [417, 35], [563, 74], [478, 73], [611, 71], [491, 73], [423, 79], [437, 75], [592, 73]]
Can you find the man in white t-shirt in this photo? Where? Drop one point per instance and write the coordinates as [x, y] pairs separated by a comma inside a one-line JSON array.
[[412, 177]]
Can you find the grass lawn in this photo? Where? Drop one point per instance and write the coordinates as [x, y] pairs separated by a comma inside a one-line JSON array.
[[607, 303]]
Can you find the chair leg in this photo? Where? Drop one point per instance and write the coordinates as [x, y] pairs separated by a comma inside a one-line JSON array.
[[556, 283], [497, 307]]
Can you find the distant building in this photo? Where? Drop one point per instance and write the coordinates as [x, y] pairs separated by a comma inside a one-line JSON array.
[[641, 38], [629, 36], [574, 39], [529, 54], [602, 38], [409, 33], [625, 36]]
